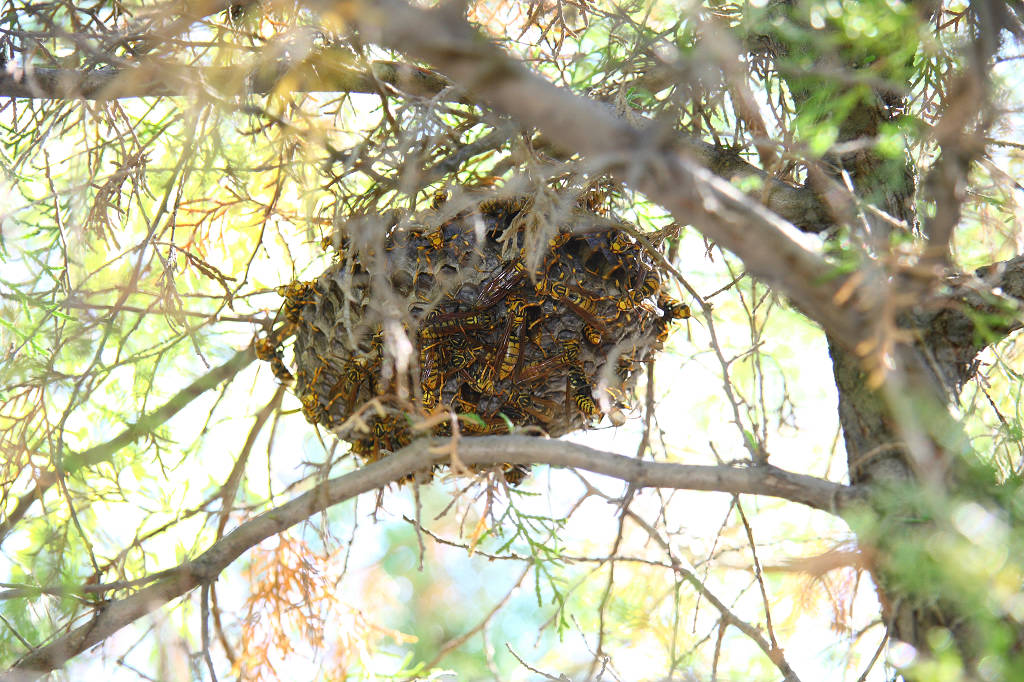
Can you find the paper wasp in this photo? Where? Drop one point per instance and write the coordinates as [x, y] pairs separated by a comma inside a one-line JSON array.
[[539, 408], [269, 350], [430, 377], [460, 354], [265, 349], [559, 240], [580, 303], [438, 198], [510, 276], [391, 427], [514, 473], [439, 325], [353, 375], [385, 433], [579, 391], [592, 335], [626, 364], [435, 239], [312, 410], [296, 295], [510, 342], [672, 310], [543, 368], [501, 284], [483, 379], [649, 287]]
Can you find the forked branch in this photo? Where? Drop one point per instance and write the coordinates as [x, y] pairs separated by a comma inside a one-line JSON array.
[[759, 480]]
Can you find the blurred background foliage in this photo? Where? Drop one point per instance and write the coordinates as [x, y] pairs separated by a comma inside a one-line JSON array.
[[143, 239]]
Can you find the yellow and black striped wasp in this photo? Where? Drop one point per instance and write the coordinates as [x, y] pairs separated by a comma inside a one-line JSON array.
[[296, 295], [313, 410], [460, 354], [430, 376], [499, 286], [509, 347], [581, 303], [541, 409], [438, 325], [543, 368], [650, 286], [346, 388], [269, 350], [578, 388], [672, 310]]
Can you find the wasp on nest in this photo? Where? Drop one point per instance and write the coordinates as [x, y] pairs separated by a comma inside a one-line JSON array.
[[467, 315]]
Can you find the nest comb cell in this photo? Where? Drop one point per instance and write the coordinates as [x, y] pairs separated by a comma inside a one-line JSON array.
[[476, 316]]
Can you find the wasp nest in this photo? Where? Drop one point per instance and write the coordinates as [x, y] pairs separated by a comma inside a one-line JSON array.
[[484, 315]]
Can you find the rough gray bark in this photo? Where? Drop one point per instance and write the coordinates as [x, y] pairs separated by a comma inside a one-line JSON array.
[[931, 371], [943, 359]]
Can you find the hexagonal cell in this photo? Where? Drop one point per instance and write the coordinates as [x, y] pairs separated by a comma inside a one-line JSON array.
[[462, 317]]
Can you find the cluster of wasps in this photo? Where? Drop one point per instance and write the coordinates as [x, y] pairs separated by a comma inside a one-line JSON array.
[[502, 332]]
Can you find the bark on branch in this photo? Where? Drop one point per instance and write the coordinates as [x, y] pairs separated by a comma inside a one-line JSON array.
[[978, 312], [323, 71], [759, 480], [653, 161], [329, 71]]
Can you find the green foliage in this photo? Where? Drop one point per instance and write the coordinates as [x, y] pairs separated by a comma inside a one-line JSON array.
[[142, 240]]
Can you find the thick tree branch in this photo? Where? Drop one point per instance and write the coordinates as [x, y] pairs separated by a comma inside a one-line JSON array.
[[102, 453], [328, 71], [1005, 281], [901, 434], [978, 312], [963, 128], [761, 480], [323, 71], [654, 163]]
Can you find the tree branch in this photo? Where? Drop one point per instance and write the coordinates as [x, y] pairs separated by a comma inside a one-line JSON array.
[[326, 70], [101, 453], [484, 451], [978, 312], [770, 648], [648, 160]]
